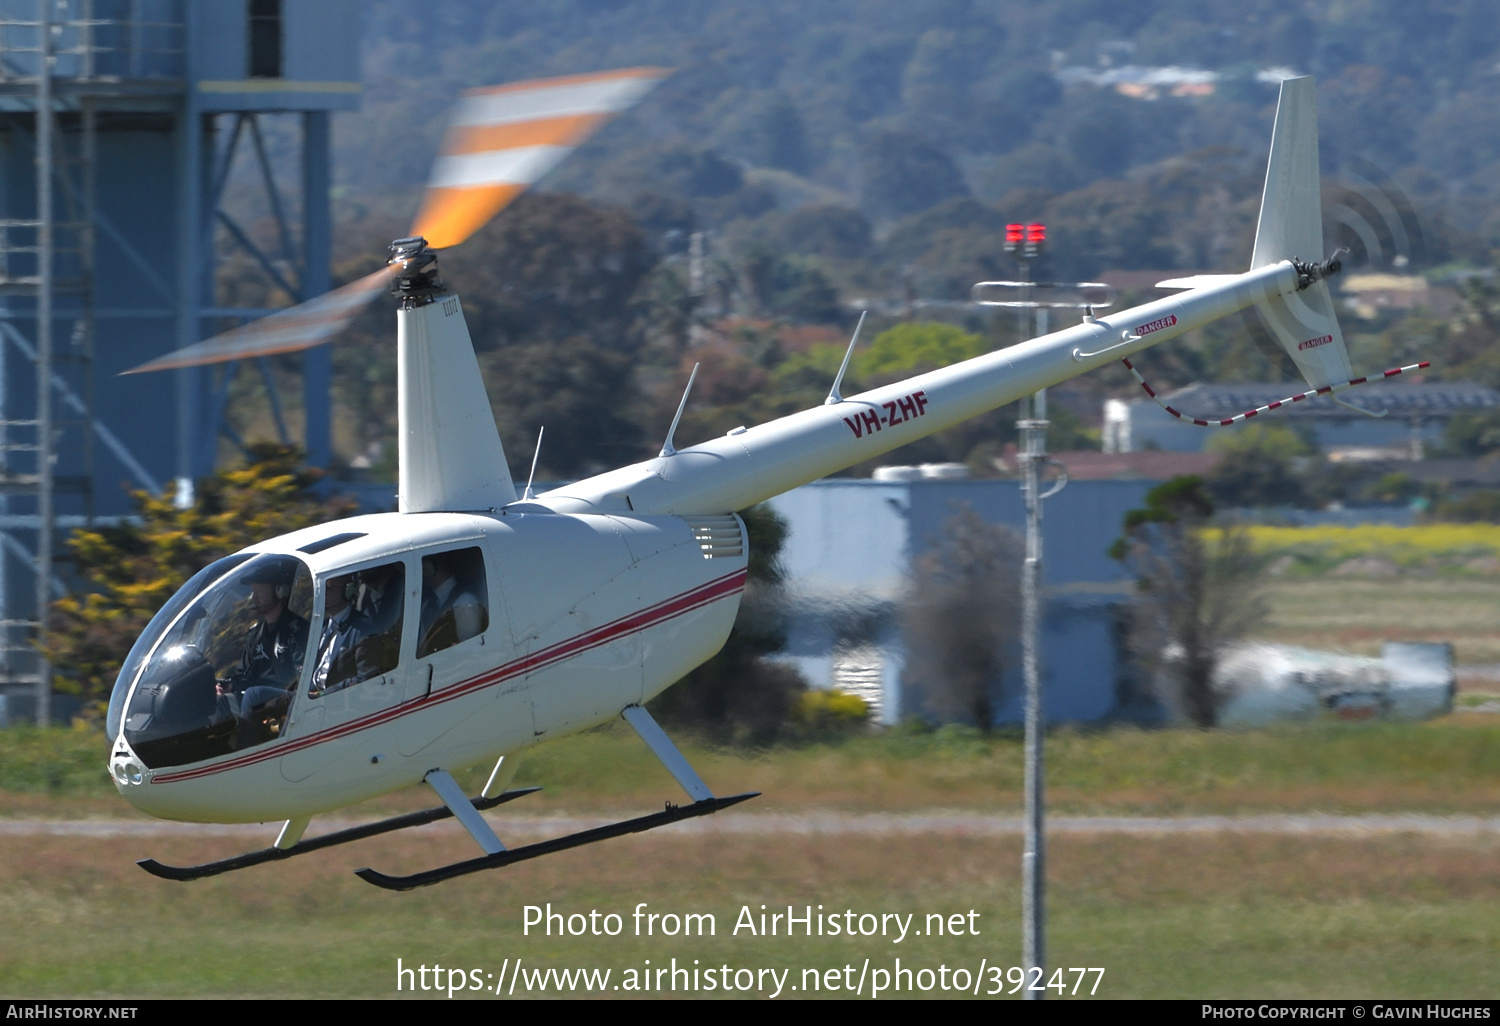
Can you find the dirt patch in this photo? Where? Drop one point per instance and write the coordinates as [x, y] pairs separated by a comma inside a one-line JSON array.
[[1367, 566]]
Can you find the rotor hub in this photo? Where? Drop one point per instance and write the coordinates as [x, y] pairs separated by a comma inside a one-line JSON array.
[[416, 279]]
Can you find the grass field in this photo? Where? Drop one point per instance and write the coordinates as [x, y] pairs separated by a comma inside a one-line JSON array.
[[1170, 915], [1228, 914], [1357, 615], [1350, 588], [1221, 915], [1447, 766]]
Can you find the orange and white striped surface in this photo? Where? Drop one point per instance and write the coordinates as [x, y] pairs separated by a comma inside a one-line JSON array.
[[499, 141], [503, 139]]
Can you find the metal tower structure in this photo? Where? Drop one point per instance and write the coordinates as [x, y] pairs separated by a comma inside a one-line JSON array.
[[121, 124]]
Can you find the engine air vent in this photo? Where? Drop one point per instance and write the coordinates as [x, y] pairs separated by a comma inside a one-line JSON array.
[[718, 536]]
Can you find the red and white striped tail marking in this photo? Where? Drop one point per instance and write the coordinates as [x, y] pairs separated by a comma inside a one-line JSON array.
[[1238, 417]]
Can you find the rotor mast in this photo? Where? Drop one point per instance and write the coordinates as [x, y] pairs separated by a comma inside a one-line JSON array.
[[451, 459]]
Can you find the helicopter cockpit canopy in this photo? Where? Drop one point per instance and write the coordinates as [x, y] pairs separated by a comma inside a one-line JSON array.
[[216, 670]]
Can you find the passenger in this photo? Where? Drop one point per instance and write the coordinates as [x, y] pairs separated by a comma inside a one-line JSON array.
[[451, 612], [343, 626]]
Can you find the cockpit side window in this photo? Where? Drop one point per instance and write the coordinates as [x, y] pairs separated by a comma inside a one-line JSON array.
[[361, 635], [455, 599]]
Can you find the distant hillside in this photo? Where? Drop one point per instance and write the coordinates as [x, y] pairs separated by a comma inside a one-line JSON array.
[[889, 109]]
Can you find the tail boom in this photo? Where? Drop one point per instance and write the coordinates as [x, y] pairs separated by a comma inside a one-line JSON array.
[[753, 464]]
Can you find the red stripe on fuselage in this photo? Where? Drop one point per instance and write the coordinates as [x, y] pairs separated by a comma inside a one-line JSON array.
[[631, 623]]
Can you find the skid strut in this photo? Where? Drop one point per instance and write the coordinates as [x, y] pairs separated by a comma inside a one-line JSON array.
[[384, 826], [496, 855]]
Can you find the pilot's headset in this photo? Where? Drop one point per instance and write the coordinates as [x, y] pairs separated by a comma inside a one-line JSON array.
[[351, 589], [281, 585], [354, 590]]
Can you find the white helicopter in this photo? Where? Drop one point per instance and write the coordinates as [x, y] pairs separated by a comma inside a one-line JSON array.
[[385, 651]]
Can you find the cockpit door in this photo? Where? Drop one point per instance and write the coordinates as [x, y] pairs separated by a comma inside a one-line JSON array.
[[355, 675]]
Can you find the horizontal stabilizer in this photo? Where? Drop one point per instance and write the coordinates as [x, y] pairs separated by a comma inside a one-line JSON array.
[[1304, 324], [1196, 281]]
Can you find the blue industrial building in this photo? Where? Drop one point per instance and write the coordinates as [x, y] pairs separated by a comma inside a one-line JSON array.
[[849, 555], [121, 121]]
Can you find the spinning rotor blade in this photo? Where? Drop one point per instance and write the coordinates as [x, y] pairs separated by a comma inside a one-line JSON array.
[[503, 139], [300, 327], [500, 141]]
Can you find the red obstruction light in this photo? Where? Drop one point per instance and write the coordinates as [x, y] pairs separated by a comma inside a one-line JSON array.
[[1028, 239]]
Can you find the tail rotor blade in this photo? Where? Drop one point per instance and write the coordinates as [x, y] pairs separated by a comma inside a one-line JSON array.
[[504, 139], [300, 327]]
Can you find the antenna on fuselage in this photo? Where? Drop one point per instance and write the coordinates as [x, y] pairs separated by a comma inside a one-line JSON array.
[[529, 494], [667, 449], [833, 393]]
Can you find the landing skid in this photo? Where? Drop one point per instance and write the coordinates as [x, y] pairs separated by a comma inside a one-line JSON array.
[[671, 814], [384, 826], [497, 855]]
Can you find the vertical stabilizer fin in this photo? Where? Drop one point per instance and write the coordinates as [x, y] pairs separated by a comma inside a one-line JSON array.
[[1291, 207], [1291, 228], [451, 459]]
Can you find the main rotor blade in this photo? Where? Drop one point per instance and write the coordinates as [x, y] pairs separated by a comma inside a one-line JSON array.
[[502, 140], [300, 327]]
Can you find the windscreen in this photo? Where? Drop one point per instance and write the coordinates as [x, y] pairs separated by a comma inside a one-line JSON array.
[[147, 641], [224, 672]]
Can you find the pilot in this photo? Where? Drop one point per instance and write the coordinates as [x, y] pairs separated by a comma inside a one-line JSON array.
[[450, 611], [271, 663], [343, 626]]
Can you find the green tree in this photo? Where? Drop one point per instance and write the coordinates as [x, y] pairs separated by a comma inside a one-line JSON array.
[[1195, 594], [780, 137], [789, 287], [822, 230], [1472, 434], [1262, 465], [961, 615], [552, 267], [131, 569], [902, 174], [915, 347], [1477, 507]]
